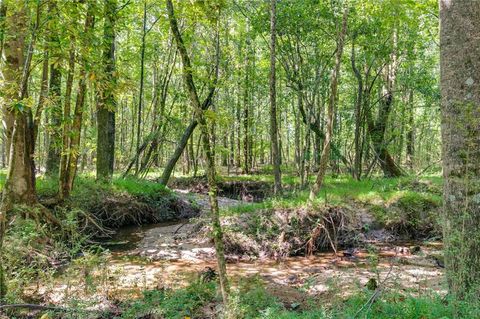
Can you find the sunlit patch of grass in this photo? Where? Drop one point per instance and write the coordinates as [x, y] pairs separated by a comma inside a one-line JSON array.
[[250, 299], [139, 187], [376, 192]]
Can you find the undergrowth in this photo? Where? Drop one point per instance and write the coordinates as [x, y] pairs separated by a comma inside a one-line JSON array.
[[407, 206], [251, 300], [34, 250]]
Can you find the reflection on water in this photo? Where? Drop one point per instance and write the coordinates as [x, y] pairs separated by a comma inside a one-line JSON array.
[[127, 238]]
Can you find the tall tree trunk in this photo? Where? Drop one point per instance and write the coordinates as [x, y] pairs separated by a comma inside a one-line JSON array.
[[55, 137], [53, 157], [211, 173], [140, 98], [7, 116], [377, 129], [43, 92], [66, 119], [460, 105], [239, 133], [246, 109], [331, 108], [410, 149], [66, 184], [19, 186], [357, 166], [277, 187], [107, 103]]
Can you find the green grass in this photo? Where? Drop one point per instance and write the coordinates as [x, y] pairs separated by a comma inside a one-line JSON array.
[[345, 190], [250, 300], [87, 184]]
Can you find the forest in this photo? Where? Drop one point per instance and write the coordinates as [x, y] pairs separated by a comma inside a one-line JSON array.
[[240, 159]]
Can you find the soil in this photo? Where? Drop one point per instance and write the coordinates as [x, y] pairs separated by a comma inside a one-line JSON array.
[[168, 256], [247, 191]]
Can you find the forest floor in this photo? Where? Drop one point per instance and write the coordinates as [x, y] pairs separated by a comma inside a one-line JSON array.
[[173, 254], [385, 238]]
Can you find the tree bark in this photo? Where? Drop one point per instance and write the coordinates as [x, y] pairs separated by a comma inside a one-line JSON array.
[[54, 93], [322, 167], [107, 103], [277, 187], [66, 185], [66, 119], [211, 173], [19, 186], [460, 108], [357, 166], [140, 98], [410, 148]]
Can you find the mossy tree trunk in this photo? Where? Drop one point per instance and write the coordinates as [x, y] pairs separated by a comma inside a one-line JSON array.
[[460, 106], [210, 160]]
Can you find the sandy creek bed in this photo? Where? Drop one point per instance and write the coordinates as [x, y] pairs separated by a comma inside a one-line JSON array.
[[165, 256]]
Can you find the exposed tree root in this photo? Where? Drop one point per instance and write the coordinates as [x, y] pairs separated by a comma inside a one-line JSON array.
[[301, 232]]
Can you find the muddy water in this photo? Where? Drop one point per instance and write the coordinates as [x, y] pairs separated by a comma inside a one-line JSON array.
[[166, 255]]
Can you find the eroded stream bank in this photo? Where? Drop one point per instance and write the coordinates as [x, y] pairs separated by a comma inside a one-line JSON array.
[[170, 255]]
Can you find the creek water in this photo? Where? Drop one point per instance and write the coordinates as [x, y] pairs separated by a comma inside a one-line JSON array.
[[167, 256]]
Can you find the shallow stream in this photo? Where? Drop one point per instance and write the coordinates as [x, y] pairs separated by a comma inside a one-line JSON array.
[[166, 256]]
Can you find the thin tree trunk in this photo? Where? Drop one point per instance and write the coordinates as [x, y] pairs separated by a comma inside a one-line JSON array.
[[331, 109], [246, 108], [273, 101], [211, 173], [66, 185], [53, 157], [167, 172], [140, 98], [55, 87], [66, 119], [357, 166], [43, 93], [410, 148]]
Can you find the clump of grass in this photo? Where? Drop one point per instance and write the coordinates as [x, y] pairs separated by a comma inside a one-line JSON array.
[[412, 214], [175, 304], [251, 300], [405, 205]]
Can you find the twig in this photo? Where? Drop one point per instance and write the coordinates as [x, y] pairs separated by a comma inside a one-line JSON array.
[[176, 231], [377, 291]]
